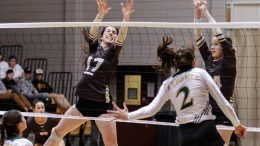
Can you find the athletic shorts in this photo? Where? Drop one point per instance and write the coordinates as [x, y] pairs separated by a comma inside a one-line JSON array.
[[202, 134], [221, 119], [90, 108]]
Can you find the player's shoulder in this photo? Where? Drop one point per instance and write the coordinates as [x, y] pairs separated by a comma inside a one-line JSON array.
[[199, 71]]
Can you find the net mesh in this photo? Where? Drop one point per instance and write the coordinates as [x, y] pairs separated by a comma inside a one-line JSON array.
[[60, 44]]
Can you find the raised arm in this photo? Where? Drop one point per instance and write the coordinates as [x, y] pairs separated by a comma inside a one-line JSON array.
[[200, 40], [197, 18], [207, 15], [127, 10], [103, 9], [228, 52]]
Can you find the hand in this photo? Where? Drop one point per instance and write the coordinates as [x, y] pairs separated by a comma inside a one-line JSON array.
[[119, 113], [240, 131], [200, 4], [128, 8], [103, 8]]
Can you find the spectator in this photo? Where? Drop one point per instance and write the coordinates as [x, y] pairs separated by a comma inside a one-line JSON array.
[[13, 124], [40, 84], [20, 100], [12, 89], [28, 89], [3, 67], [32, 93], [9, 81], [18, 70], [40, 126]]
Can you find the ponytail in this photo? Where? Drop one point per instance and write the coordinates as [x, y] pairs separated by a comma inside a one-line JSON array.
[[166, 55], [181, 59]]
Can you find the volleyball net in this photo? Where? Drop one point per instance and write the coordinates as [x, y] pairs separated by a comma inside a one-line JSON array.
[[135, 80]]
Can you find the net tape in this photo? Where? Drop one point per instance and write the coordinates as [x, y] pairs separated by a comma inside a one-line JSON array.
[[235, 25], [49, 115]]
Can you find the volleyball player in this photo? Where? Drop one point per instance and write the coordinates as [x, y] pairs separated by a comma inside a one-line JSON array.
[[220, 62], [40, 126], [92, 89], [188, 89], [13, 124]]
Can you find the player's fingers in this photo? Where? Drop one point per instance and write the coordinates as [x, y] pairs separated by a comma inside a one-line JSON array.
[[112, 112], [125, 107], [115, 106]]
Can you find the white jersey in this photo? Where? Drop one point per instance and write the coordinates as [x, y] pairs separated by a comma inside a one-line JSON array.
[[189, 92], [18, 142]]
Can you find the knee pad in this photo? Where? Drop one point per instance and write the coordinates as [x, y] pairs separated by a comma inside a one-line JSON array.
[[54, 136]]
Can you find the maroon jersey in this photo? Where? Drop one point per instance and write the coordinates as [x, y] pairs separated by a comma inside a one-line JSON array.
[[100, 65], [223, 71]]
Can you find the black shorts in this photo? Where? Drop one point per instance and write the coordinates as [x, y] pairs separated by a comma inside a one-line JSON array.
[[221, 119], [202, 134], [92, 108]]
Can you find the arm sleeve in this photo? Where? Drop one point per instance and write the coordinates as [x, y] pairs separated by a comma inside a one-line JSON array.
[[203, 48], [229, 53], [220, 99], [22, 85], [153, 107], [201, 42]]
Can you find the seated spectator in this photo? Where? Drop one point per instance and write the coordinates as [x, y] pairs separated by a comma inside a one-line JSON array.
[[18, 70], [3, 66], [32, 93], [9, 81], [13, 124], [40, 126], [28, 89], [39, 83], [13, 91], [20, 100]]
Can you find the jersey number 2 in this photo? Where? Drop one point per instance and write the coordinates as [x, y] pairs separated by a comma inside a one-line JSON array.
[[185, 103], [91, 70]]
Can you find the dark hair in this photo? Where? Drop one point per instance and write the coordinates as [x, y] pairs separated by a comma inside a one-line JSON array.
[[104, 28], [181, 59], [10, 120], [9, 71], [12, 57], [229, 41], [35, 101]]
